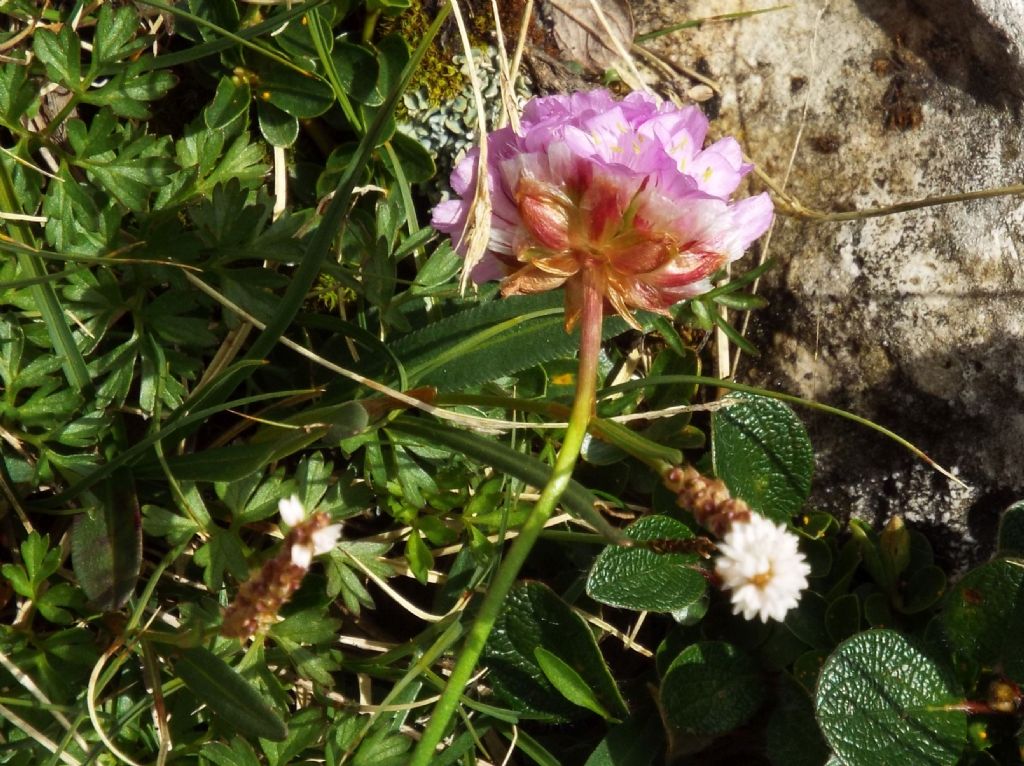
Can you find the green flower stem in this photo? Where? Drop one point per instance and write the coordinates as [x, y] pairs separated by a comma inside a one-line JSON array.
[[582, 410]]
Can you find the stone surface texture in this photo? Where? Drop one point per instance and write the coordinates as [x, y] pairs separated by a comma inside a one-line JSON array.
[[915, 320]]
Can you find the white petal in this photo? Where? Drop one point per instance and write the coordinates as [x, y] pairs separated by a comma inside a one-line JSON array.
[[292, 512], [325, 539], [761, 564], [302, 555]]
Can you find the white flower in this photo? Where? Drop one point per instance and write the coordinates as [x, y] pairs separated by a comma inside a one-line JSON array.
[[292, 512], [321, 541], [325, 539], [761, 564]]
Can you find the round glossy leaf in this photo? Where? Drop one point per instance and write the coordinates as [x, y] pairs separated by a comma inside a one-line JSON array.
[[417, 164], [923, 589], [762, 453], [711, 688], [1011, 531], [793, 738], [534, 616], [984, 616], [296, 94], [357, 70], [638, 578], [807, 621], [807, 668], [229, 102], [881, 701], [842, 619], [877, 611], [278, 127]]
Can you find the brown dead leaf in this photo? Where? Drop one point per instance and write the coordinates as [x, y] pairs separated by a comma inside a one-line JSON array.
[[582, 35]]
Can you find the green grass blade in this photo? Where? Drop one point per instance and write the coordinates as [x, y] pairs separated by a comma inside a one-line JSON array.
[[43, 293]]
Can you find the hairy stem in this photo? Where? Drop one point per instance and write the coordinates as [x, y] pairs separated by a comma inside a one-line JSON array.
[[582, 410]]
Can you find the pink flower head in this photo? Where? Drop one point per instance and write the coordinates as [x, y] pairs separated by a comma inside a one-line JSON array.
[[622, 187]]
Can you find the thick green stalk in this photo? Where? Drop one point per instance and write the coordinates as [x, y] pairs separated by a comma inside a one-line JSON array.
[[582, 411]]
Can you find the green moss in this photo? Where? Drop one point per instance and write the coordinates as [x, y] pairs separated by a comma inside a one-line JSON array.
[[440, 78]]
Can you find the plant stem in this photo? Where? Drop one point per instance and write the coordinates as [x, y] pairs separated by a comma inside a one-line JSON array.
[[582, 411]]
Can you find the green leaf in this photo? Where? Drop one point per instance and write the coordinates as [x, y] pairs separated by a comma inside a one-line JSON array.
[[229, 103], [807, 621], [357, 71], [711, 688], [793, 738], [61, 54], [304, 728], [240, 753], [300, 96], [39, 559], [17, 97], [417, 162], [160, 522], [229, 696], [923, 590], [114, 37], [419, 557], [881, 701], [638, 578], [761, 451], [636, 742], [568, 682], [576, 499], [984, 617], [277, 126], [1011, 531], [106, 545], [222, 551], [535, 617], [842, 618], [126, 93], [491, 341]]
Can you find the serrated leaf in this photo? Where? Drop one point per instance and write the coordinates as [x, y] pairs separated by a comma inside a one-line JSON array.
[[113, 40], [711, 688], [534, 616], [61, 54], [638, 578], [240, 753], [761, 451], [984, 616], [229, 696], [106, 545], [18, 98], [881, 701], [576, 499]]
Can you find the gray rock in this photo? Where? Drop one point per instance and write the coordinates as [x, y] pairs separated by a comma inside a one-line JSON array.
[[915, 320]]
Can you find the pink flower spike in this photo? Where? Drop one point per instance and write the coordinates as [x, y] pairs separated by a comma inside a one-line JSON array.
[[624, 187]]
